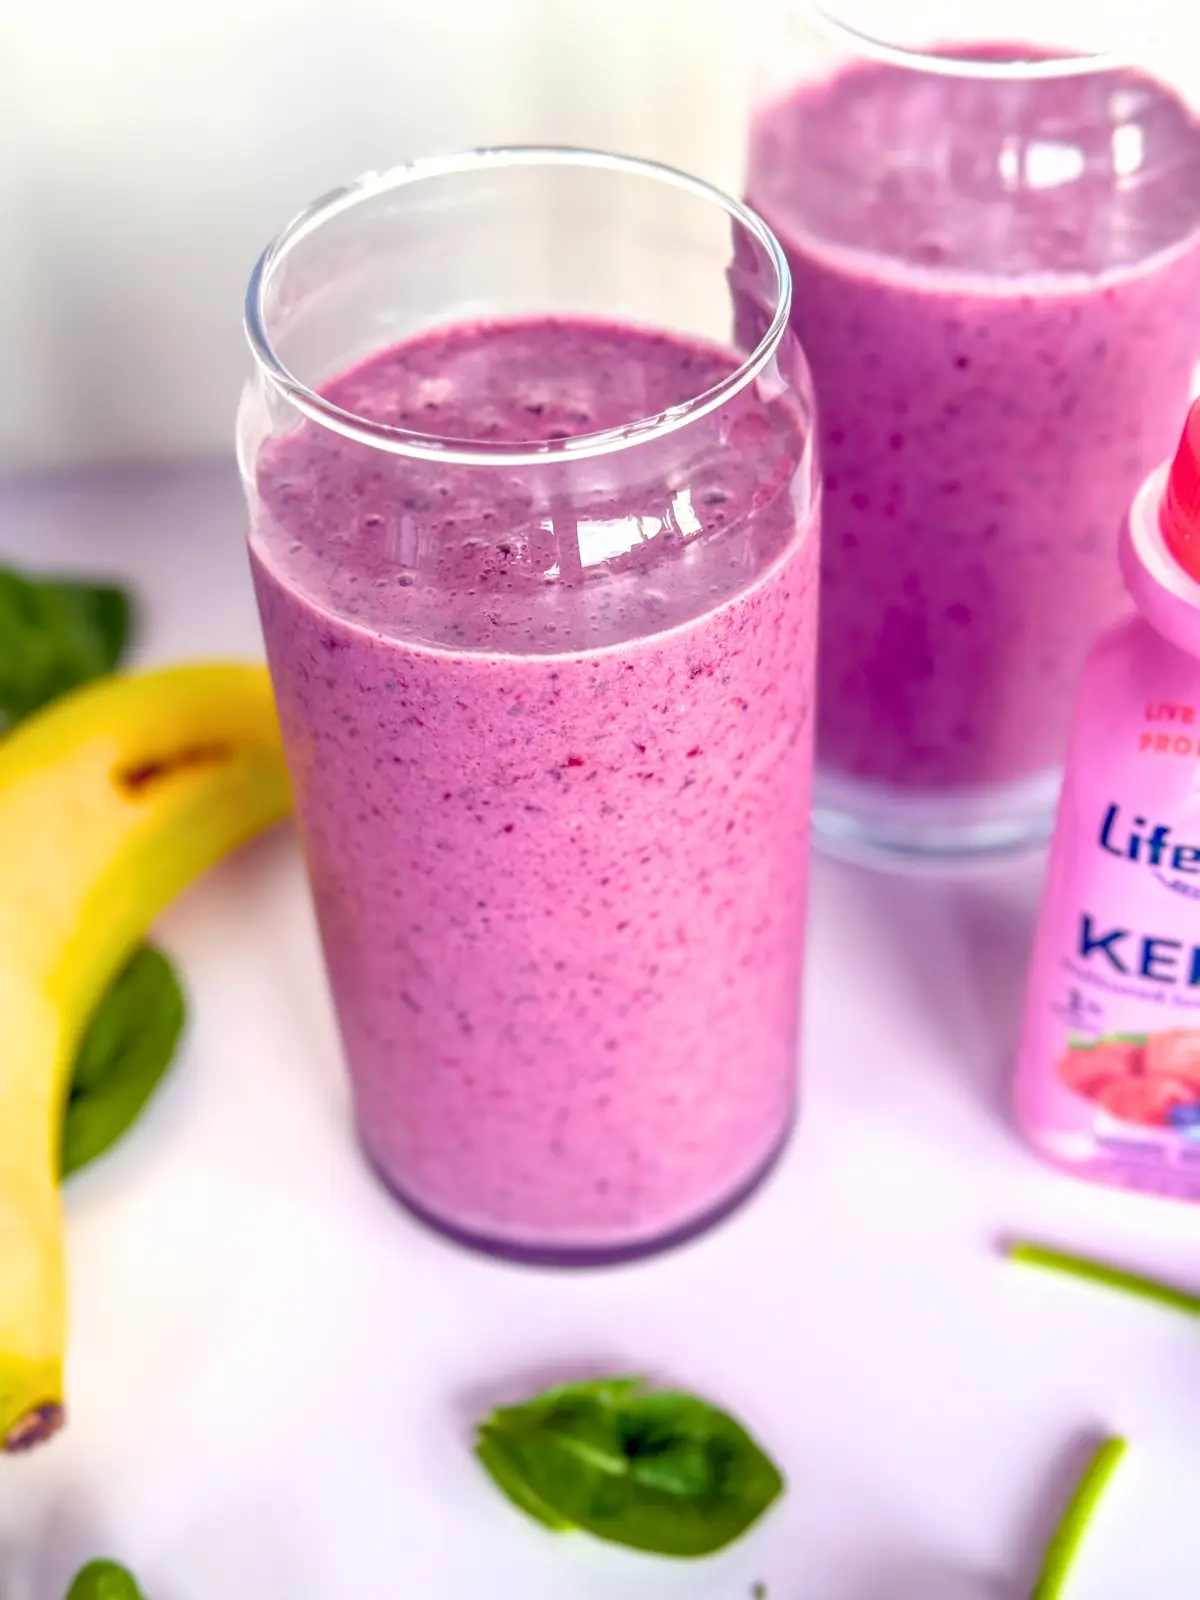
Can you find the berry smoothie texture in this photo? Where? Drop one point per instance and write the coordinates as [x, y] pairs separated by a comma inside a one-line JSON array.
[[998, 291], [550, 732]]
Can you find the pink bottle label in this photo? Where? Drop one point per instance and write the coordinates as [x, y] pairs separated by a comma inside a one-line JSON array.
[[1108, 1081], [1109, 1075]]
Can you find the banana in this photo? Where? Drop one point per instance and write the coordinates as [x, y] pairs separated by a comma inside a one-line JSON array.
[[111, 801]]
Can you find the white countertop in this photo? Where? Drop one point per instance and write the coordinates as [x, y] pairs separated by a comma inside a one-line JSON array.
[[273, 1370]]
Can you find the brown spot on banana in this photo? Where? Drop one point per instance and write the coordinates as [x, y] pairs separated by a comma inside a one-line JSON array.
[[34, 1428], [135, 781]]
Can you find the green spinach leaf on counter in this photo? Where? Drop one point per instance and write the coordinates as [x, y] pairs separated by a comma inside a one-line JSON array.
[[656, 1470], [104, 1580], [127, 1048], [55, 635]]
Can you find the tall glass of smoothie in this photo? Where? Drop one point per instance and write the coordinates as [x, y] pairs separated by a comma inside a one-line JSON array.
[[995, 250], [533, 531]]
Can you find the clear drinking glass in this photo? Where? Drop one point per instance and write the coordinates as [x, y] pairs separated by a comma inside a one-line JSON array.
[[992, 216], [534, 541]]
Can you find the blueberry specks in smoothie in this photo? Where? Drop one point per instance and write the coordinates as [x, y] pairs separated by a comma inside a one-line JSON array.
[[1037, 344]]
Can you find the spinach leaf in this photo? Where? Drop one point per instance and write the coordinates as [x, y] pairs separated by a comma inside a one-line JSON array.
[[502, 1458], [54, 636], [656, 1470], [104, 1580], [125, 1052]]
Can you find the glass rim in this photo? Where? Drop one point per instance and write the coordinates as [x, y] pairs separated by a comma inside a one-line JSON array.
[[467, 452], [951, 62]]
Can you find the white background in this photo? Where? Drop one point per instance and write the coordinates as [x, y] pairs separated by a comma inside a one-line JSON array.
[[149, 149]]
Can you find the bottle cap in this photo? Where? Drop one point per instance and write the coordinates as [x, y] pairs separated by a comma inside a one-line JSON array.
[[1180, 514]]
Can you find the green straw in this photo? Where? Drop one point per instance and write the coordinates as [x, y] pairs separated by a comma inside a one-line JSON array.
[[1162, 1294], [1068, 1536]]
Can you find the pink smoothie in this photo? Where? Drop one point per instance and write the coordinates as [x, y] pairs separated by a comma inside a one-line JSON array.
[[550, 735], [999, 295]]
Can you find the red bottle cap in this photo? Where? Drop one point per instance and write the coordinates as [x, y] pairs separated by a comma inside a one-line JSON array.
[[1180, 516]]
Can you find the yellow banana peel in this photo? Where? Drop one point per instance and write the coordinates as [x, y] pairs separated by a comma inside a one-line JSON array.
[[111, 801]]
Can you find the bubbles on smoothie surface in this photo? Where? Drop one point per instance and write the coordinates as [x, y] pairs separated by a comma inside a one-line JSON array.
[[431, 538]]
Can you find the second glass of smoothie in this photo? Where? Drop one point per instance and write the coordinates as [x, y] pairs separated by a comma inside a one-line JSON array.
[[534, 539], [993, 224]]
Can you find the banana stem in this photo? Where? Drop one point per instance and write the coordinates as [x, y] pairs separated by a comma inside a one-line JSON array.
[[34, 1428]]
